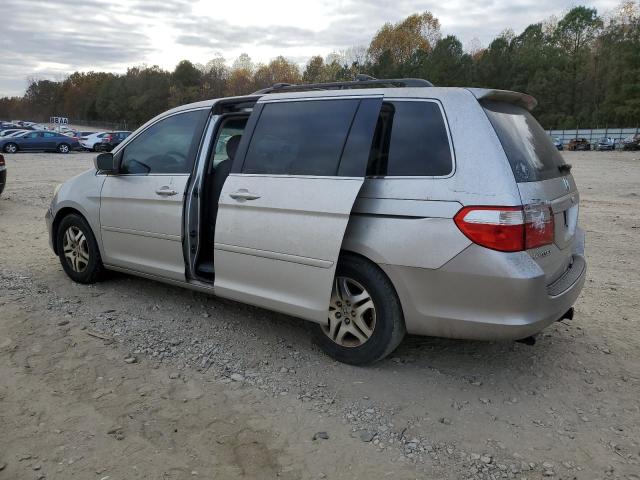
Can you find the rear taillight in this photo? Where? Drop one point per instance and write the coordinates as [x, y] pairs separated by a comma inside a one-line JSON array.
[[107, 138], [507, 229], [539, 226], [1, 160]]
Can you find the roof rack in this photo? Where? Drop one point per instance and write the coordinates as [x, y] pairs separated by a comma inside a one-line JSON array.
[[361, 81]]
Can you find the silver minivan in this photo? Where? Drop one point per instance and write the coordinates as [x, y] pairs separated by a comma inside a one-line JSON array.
[[372, 208]]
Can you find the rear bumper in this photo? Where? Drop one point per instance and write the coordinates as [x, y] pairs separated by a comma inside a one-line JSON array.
[[3, 178], [486, 295]]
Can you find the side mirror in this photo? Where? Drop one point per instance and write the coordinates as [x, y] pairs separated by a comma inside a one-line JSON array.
[[106, 163]]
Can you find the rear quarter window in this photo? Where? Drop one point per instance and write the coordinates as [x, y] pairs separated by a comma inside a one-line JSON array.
[[410, 140], [531, 153]]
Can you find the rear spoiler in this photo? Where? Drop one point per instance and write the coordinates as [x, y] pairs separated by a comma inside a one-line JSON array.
[[516, 98]]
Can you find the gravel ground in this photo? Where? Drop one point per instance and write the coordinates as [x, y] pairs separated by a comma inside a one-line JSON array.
[[131, 378]]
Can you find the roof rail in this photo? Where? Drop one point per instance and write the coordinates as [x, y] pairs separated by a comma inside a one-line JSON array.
[[361, 81]]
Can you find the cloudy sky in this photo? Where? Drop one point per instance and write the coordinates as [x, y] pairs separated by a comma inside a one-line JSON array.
[[52, 38]]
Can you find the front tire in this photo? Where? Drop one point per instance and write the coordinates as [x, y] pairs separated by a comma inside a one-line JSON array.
[[78, 250], [10, 148], [365, 316], [63, 148]]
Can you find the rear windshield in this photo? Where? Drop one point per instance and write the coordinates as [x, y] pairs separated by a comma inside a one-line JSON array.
[[531, 153]]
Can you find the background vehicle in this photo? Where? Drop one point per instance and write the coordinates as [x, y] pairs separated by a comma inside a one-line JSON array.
[[606, 144], [10, 131], [39, 141], [78, 135], [557, 143], [26, 126], [92, 141], [353, 212], [578, 144], [632, 143], [17, 133], [3, 173], [112, 139]]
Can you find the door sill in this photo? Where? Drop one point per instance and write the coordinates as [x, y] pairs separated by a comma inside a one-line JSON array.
[[201, 286]]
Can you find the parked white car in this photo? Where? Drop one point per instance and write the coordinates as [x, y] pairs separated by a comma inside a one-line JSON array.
[[91, 142]]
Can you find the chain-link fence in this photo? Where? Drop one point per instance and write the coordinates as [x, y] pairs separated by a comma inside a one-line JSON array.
[[593, 135]]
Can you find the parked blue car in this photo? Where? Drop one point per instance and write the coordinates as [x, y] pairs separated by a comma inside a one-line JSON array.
[[39, 140]]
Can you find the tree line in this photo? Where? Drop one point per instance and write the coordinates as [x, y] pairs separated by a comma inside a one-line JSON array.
[[583, 68]]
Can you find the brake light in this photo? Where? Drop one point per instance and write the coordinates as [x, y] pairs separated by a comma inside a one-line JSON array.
[[507, 229], [2, 160], [539, 225], [106, 138]]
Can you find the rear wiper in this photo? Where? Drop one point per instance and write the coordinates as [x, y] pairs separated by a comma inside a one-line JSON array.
[[564, 168]]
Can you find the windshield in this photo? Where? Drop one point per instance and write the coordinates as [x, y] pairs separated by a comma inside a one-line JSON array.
[[529, 149]]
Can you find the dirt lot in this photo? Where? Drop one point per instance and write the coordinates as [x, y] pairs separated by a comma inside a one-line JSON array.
[[133, 379]]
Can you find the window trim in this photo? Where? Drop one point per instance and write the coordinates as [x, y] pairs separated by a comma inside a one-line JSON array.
[[119, 150], [449, 138]]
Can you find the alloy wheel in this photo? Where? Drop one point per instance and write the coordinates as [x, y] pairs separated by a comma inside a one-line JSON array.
[[76, 249], [352, 313], [63, 148], [11, 148]]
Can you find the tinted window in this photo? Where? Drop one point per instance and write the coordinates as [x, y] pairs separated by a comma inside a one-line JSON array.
[[532, 155], [165, 147], [410, 140], [49, 134], [300, 138]]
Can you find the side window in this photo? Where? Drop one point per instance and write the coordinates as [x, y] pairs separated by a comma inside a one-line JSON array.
[[410, 140], [165, 147], [49, 134], [300, 138]]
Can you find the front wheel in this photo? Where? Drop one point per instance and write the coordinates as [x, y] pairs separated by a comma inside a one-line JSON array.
[[10, 148], [78, 250], [63, 148], [365, 321]]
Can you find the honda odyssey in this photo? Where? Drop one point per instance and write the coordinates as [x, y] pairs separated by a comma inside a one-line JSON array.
[[372, 208]]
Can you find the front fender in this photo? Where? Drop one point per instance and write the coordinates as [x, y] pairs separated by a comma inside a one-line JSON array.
[[82, 194]]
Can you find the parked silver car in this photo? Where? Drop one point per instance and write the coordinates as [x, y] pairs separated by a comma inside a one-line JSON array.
[[371, 208]]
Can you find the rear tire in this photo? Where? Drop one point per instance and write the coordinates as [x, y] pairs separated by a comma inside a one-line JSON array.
[[10, 148], [78, 250], [365, 316], [63, 148]]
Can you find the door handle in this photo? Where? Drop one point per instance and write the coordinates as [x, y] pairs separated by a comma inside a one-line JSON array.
[[243, 194], [166, 191]]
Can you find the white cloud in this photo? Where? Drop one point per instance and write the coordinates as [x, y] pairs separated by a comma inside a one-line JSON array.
[[113, 34]]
